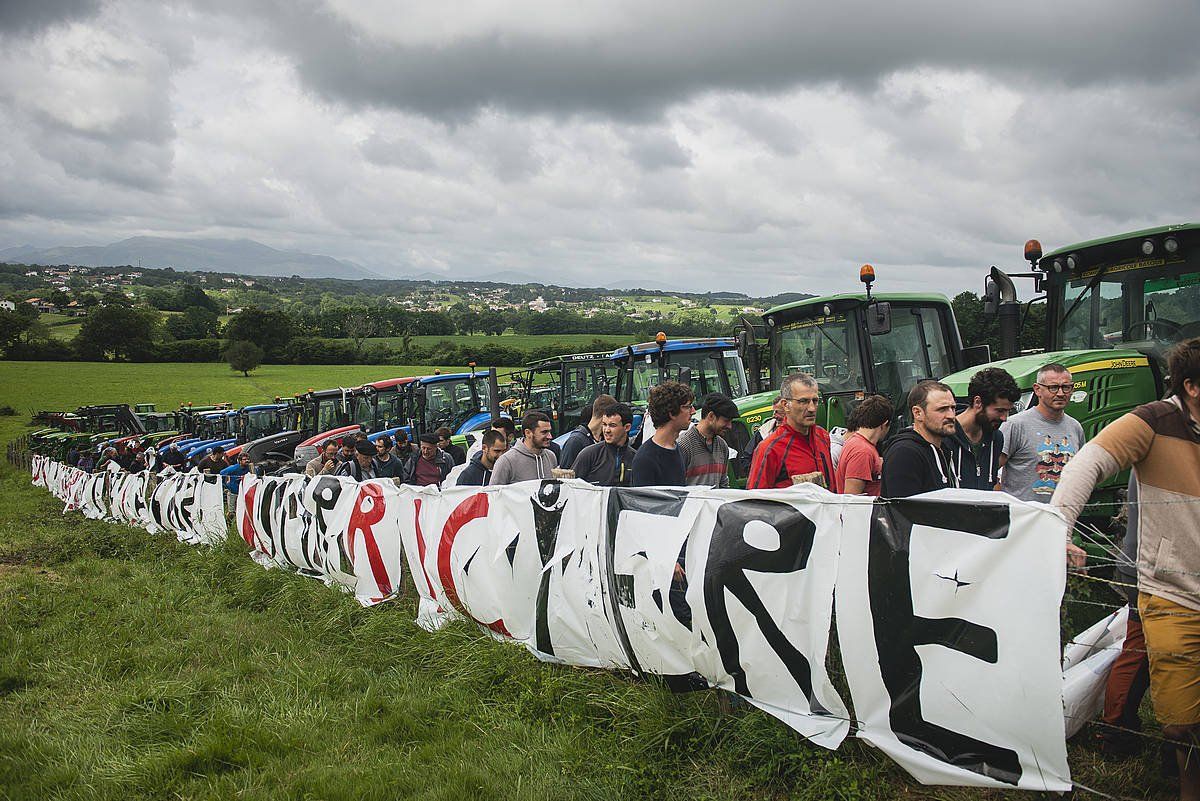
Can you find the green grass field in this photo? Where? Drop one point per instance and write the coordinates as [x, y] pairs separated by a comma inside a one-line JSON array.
[[135, 667], [65, 385], [61, 326]]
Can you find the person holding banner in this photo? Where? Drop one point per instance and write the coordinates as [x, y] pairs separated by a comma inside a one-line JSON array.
[[917, 459], [531, 458], [1161, 442], [658, 462], [798, 449], [609, 463], [362, 467]]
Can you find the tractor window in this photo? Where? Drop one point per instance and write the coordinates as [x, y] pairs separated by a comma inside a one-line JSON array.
[[1170, 309], [735, 374], [915, 349], [645, 378], [391, 410], [450, 403], [1098, 321], [824, 347], [259, 423], [482, 394], [364, 412], [329, 413]]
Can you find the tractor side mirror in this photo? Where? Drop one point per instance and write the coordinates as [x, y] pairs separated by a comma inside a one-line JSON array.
[[685, 376], [976, 354], [879, 318]]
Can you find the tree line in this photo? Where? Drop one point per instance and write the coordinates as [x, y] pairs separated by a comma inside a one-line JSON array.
[[116, 329]]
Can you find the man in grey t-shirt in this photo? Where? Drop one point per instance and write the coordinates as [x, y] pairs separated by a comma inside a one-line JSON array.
[[1040, 441]]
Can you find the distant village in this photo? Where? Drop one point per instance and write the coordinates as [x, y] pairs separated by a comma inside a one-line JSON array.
[[72, 290]]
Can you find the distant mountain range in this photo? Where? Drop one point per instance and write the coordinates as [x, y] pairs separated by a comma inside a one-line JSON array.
[[242, 256]]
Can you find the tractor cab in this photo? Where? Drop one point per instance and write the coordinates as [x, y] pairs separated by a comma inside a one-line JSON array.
[[563, 387], [1114, 308], [115, 417], [379, 406], [856, 345], [254, 422], [462, 402], [706, 365]]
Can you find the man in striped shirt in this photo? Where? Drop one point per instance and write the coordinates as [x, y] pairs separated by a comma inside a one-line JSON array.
[[705, 452]]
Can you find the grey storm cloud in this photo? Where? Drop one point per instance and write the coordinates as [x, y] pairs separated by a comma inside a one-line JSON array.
[[676, 50], [26, 17], [752, 146]]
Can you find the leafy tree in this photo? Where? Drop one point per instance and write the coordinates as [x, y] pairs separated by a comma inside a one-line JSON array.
[[466, 319], [243, 356], [12, 326], [59, 298], [196, 322], [979, 328], [118, 331], [270, 329], [192, 295], [161, 298]]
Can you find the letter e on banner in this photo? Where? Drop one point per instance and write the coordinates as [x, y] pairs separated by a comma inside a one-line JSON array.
[[947, 617]]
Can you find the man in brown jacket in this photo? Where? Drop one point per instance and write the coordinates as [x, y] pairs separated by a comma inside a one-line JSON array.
[[1161, 442]]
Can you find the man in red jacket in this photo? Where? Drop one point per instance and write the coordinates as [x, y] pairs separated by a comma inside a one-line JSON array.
[[798, 446]]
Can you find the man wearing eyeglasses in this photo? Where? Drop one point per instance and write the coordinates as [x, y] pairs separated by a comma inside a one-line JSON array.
[[798, 446], [1040, 441]]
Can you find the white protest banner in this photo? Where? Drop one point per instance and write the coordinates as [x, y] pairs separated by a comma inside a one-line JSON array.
[[343, 532], [947, 617], [588, 576], [1087, 660], [947, 603], [274, 523], [127, 501], [38, 465], [190, 505], [93, 502], [359, 531]]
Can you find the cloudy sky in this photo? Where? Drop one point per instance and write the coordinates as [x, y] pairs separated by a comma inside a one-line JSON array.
[[749, 145]]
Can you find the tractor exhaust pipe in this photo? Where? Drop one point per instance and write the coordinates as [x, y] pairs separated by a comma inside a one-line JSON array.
[[1001, 300], [494, 391]]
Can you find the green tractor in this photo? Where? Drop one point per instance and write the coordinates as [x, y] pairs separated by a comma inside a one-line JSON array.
[[1114, 307], [855, 345]]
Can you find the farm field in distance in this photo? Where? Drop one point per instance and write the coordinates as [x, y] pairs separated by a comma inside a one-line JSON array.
[[28, 386], [136, 667]]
